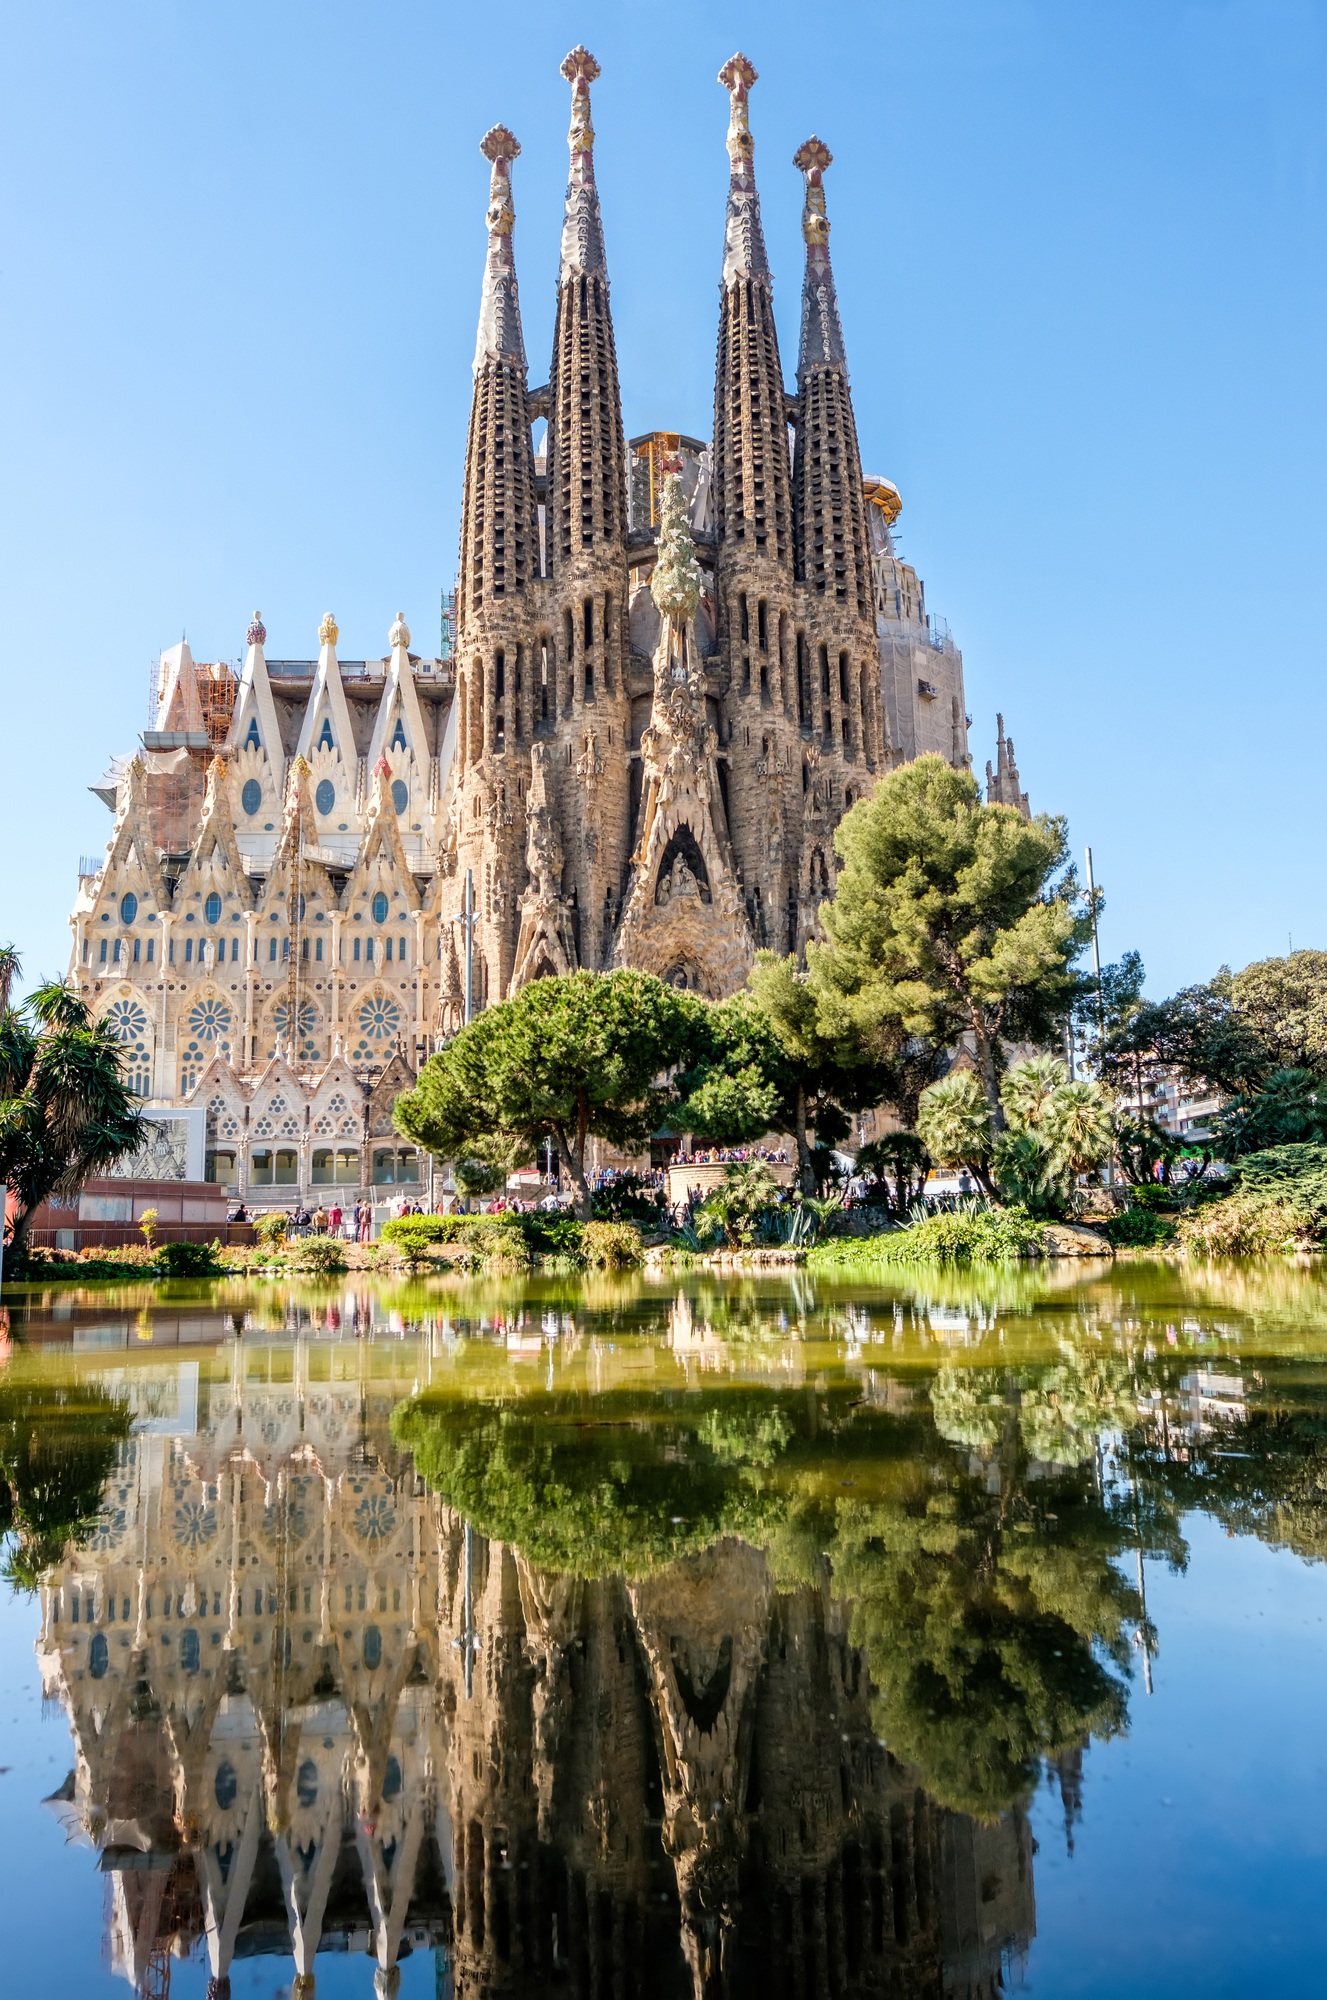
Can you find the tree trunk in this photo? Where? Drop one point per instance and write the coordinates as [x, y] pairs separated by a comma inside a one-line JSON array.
[[571, 1151], [990, 1080], [806, 1180]]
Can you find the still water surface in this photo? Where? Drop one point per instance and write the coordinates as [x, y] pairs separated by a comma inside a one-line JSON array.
[[947, 1638]]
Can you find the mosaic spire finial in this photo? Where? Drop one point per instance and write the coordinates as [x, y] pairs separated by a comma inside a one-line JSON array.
[[821, 344], [582, 229], [500, 307], [744, 239]]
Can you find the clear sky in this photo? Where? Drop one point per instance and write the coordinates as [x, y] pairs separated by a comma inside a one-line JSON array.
[[1079, 247]]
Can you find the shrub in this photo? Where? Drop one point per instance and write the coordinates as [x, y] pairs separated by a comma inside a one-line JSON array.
[[968, 1235], [1296, 1172], [147, 1223], [187, 1260], [415, 1235], [1136, 1228], [318, 1253], [610, 1245], [1246, 1225], [271, 1229]]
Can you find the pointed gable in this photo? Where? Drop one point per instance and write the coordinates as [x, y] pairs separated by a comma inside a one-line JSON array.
[[257, 755]]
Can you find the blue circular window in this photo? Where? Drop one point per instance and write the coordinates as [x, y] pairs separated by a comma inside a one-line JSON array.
[[212, 908], [306, 1783], [225, 1786], [400, 796], [379, 907], [128, 909], [325, 796], [252, 796], [372, 1647], [99, 1656]]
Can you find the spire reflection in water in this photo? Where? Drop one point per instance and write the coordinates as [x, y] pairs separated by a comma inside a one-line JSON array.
[[713, 1645]]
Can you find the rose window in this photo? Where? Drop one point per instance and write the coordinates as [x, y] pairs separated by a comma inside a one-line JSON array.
[[211, 1021], [127, 1021]]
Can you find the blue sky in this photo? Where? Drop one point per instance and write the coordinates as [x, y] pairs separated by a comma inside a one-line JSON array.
[[1080, 257]]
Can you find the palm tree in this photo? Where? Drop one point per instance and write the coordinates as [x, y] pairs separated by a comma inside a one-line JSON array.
[[65, 1108]]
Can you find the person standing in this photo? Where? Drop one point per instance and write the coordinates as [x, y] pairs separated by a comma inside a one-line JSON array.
[[334, 1219]]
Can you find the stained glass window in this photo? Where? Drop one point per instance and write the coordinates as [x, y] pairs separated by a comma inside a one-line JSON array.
[[379, 907], [252, 796], [212, 908], [325, 796], [400, 795], [127, 1021], [128, 908]]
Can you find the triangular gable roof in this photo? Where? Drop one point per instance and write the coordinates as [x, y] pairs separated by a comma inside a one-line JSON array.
[[178, 706], [399, 689], [255, 699], [132, 830], [382, 841], [216, 835], [328, 696]]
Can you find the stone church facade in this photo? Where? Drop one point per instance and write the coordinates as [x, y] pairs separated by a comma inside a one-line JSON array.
[[673, 666]]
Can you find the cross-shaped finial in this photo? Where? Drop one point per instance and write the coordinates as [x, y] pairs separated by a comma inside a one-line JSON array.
[[813, 157], [580, 63], [499, 144], [738, 74]]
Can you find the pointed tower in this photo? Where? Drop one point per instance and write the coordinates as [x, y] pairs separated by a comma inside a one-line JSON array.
[[584, 652], [838, 658], [495, 599], [756, 681]]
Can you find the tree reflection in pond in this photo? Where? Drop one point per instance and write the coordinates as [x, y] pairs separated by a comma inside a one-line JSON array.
[[710, 1646]]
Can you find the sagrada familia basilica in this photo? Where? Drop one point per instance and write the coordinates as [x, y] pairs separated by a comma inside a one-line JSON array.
[[673, 666]]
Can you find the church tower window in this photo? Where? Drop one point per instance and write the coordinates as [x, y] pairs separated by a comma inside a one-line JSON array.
[[325, 796], [251, 741], [252, 796], [398, 734], [212, 908], [325, 735], [128, 908]]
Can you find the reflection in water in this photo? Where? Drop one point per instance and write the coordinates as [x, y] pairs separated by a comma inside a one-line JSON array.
[[661, 1786], [611, 1643]]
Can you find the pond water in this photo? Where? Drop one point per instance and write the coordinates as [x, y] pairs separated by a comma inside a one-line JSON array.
[[947, 1637]]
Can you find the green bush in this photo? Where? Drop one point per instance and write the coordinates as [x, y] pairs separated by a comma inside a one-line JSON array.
[[187, 1260], [972, 1235], [610, 1245], [1246, 1225], [317, 1253], [415, 1235], [1136, 1228], [271, 1229], [1296, 1172]]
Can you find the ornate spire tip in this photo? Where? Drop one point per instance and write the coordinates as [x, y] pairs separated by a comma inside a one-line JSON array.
[[329, 631], [813, 157], [580, 63], [400, 632], [738, 74], [257, 633], [499, 145]]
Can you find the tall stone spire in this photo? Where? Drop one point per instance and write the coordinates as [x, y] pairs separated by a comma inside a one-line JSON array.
[[496, 591], [499, 536], [750, 422], [500, 306], [587, 490], [586, 558], [832, 549]]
